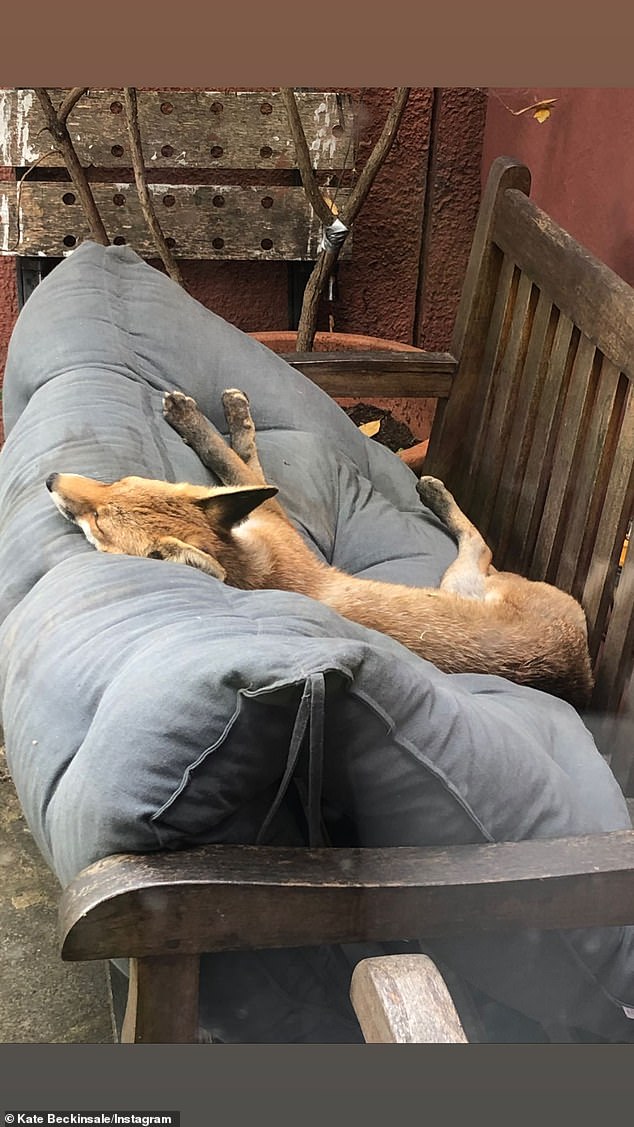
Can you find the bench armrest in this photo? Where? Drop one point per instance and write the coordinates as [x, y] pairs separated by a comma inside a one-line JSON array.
[[415, 374], [226, 897]]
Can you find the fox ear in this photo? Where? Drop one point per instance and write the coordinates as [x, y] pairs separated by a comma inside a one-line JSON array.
[[231, 505]]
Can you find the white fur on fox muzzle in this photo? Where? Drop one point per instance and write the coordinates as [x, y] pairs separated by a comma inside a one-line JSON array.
[[57, 500]]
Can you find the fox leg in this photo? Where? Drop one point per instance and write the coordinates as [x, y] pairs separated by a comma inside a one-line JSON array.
[[184, 415], [242, 429], [468, 573], [237, 464]]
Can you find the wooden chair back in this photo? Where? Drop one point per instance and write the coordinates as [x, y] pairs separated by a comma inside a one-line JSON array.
[[536, 438]]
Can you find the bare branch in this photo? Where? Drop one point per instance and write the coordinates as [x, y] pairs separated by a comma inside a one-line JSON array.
[[145, 199], [315, 286], [70, 101], [377, 157], [327, 258], [18, 198], [59, 132], [302, 154]]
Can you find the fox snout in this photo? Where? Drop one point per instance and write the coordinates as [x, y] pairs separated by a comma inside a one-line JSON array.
[[60, 488], [52, 482]]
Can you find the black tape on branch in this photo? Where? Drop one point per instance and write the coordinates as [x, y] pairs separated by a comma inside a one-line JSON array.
[[334, 236]]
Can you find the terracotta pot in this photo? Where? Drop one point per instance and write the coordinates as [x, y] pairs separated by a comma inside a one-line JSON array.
[[418, 414], [333, 342]]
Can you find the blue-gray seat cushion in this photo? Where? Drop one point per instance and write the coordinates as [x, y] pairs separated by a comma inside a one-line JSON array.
[[147, 706]]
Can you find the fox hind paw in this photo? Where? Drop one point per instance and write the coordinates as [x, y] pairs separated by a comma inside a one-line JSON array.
[[182, 413], [435, 495]]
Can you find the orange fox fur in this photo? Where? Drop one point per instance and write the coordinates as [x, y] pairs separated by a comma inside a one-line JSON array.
[[478, 620]]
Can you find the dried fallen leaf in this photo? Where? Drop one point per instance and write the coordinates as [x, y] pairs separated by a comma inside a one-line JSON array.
[[370, 429], [540, 110]]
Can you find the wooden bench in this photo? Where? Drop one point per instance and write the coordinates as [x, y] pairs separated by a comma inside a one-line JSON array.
[[534, 433]]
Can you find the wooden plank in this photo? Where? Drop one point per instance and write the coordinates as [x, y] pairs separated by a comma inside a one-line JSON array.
[[202, 221], [570, 428], [162, 1006], [484, 390], [239, 897], [590, 476], [538, 466], [615, 515], [522, 432], [403, 999], [453, 419], [409, 375], [183, 129], [576, 281], [617, 657], [505, 385]]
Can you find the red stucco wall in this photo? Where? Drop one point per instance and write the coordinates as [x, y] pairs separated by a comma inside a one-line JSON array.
[[581, 160]]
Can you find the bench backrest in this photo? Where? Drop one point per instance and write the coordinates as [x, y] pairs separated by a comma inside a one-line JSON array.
[[536, 439]]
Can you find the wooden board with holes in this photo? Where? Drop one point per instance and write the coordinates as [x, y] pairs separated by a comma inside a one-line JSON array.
[[182, 129], [200, 221]]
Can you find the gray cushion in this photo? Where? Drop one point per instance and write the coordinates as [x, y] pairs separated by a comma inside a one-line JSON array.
[[147, 706]]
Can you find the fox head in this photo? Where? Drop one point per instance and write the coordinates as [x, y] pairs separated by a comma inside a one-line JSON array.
[[136, 516]]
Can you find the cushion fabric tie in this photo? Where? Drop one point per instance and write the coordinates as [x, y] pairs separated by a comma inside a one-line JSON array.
[[308, 733]]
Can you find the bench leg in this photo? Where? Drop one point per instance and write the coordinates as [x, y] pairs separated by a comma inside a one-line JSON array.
[[162, 1003], [403, 999]]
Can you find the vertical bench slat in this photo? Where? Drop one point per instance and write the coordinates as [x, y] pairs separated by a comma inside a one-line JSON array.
[[522, 432], [589, 481], [612, 527], [539, 461], [568, 433], [615, 661], [491, 456], [484, 392], [454, 419]]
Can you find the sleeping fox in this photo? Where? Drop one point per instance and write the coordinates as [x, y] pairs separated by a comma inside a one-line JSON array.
[[477, 621]]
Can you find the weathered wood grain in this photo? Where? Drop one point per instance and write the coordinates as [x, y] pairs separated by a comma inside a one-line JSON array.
[[454, 420], [610, 529], [484, 390], [162, 1005], [530, 500], [570, 435], [521, 433], [238, 897], [575, 280], [199, 221], [590, 477], [617, 656], [183, 129], [414, 375], [492, 453], [403, 999]]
